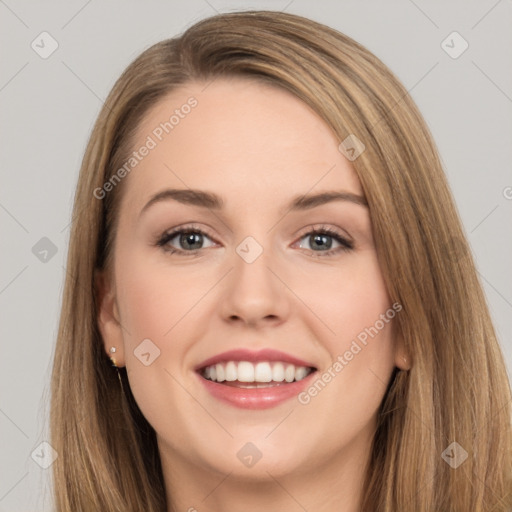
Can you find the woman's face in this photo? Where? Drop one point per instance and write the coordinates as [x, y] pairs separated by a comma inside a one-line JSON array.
[[249, 276]]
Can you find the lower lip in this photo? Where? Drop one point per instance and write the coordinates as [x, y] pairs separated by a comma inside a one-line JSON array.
[[256, 398]]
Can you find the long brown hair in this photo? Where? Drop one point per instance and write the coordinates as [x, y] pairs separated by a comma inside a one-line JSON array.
[[457, 390]]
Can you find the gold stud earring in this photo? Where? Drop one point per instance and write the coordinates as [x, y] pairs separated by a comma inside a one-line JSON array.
[[113, 351]]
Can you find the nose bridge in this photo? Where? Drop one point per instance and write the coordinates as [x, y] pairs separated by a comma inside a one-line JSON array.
[[252, 261], [255, 293]]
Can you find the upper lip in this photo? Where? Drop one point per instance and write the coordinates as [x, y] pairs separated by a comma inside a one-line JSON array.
[[267, 354]]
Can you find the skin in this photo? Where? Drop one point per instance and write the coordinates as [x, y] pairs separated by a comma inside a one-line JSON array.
[[256, 146]]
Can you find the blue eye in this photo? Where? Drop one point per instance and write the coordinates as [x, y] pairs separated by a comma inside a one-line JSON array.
[[323, 238], [191, 240]]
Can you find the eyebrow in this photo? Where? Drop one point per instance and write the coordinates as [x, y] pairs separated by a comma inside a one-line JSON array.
[[214, 202]]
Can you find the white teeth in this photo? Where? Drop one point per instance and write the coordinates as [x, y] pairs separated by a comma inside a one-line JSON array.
[[264, 371], [231, 372], [289, 373], [221, 374], [278, 372], [300, 372], [245, 371]]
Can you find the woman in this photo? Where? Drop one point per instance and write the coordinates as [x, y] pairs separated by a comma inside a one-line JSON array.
[[216, 350]]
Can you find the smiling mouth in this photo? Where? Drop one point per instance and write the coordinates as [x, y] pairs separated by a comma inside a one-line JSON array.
[[248, 375]]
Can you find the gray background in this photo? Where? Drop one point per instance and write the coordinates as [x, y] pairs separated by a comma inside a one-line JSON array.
[[48, 107]]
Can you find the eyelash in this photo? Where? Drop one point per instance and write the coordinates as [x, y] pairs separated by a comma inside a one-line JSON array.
[[165, 238]]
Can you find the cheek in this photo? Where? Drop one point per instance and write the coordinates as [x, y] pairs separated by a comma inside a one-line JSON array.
[[357, 331], [345, 299], [153, 305], [154, 297]]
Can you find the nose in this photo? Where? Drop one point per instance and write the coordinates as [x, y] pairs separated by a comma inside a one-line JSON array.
[[256, 295]]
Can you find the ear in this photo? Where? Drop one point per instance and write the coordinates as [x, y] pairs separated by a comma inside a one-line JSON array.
[[108, 317], [402, 359]]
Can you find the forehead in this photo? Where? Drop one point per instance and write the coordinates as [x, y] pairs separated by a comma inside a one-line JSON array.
[[238, 136]]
